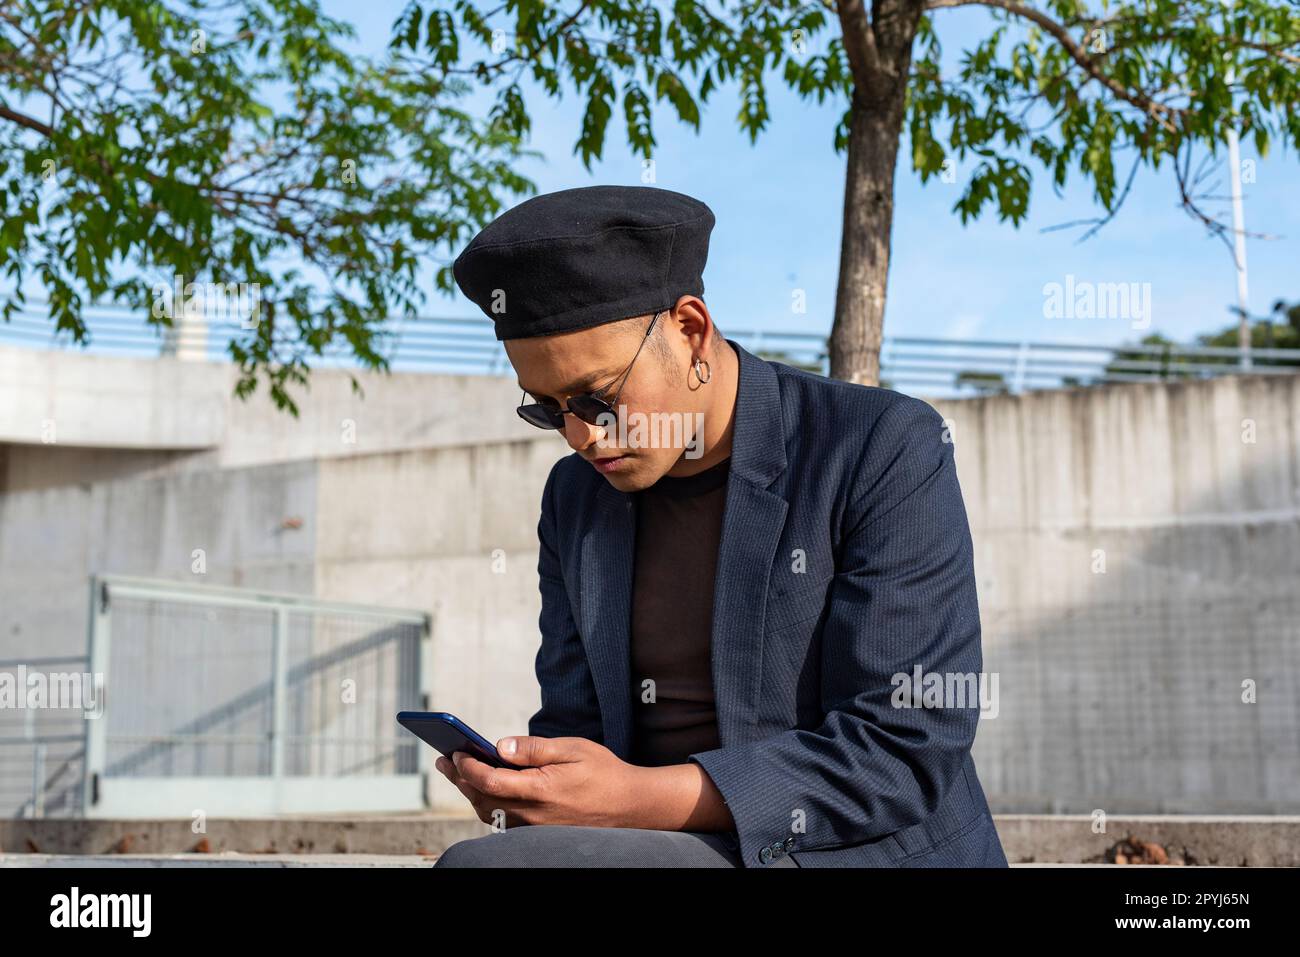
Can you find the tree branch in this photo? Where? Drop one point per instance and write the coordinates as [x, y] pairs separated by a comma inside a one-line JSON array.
[[1277, 50], [859, 42], [22, 119], [1159, 113]]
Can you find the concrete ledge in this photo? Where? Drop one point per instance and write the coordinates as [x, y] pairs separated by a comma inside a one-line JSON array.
[[1028, 839], [112, 401], [1231, 841], [215, 860], [358, 834], [275, 860]]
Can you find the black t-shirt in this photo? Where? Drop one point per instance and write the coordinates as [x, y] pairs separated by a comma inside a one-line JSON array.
[[679, 525]]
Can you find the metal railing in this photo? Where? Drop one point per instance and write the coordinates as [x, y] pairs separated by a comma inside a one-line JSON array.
[[927, 365], [236, 702], [223, 700], [42, 748]]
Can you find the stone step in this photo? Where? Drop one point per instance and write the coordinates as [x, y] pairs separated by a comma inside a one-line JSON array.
[[403, 835], [1233, 841]]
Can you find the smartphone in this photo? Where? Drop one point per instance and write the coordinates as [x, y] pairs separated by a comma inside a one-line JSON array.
[[448, 734]]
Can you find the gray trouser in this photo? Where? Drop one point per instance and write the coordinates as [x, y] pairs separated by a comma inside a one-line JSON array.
[[557, 845]]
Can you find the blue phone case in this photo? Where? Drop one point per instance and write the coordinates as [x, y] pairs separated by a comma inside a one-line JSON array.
[[447, 734]]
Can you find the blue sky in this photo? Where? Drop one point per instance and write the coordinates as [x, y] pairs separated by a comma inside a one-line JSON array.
[[778, 207]]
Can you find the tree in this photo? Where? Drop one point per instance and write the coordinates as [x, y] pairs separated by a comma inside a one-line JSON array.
[[1072, 86], [984, 383], [1265, 333], [1157, 358], [782, 355], [233, 143], [1279, 330], [1289, 313]]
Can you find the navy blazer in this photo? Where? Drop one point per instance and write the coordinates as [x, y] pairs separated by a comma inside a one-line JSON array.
[[845, 560]]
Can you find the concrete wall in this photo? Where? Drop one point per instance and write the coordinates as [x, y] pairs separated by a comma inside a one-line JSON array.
[[1137, 549], [1138, 552], [454, 531], [76, 399], [450, 530], [68, 418], [52, 540]]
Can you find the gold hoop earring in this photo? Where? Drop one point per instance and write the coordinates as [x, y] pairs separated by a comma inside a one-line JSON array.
[[696, 367]]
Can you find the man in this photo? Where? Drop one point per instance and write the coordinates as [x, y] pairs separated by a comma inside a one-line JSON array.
[[732, 620]]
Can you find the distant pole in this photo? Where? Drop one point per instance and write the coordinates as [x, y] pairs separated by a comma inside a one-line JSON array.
[[1239, 250], [1239, 236]]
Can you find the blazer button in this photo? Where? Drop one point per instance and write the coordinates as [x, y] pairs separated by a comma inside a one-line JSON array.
[[765, 855], [789, 843]]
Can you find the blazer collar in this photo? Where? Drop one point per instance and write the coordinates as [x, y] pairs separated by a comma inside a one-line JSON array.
[[752, 524], [758, 436]]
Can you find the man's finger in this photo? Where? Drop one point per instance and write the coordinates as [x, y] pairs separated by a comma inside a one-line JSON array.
[[493, 782], [530, 751], [448, 769], [470, 794]]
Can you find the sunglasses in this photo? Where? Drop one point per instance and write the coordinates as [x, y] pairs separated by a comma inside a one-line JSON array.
[[587, 406]]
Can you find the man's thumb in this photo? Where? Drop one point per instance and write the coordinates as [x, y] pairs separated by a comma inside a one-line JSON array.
[[527, 751]]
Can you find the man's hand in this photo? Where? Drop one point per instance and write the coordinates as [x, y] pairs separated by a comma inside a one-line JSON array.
[[576, 781], [559, 781]]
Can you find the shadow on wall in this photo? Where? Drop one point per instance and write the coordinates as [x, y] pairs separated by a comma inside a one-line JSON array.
[[25, 468], [1145, 634]]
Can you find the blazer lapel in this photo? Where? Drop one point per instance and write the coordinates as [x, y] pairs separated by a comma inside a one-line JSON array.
[[751, 528], [607, 557]]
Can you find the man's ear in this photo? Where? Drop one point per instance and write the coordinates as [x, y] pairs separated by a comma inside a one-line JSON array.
[[695, 323]]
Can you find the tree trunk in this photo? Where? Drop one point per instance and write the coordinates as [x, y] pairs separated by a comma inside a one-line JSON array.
[[876, 116]]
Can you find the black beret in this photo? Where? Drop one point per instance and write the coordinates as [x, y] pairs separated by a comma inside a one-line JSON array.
[[581, 257]]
